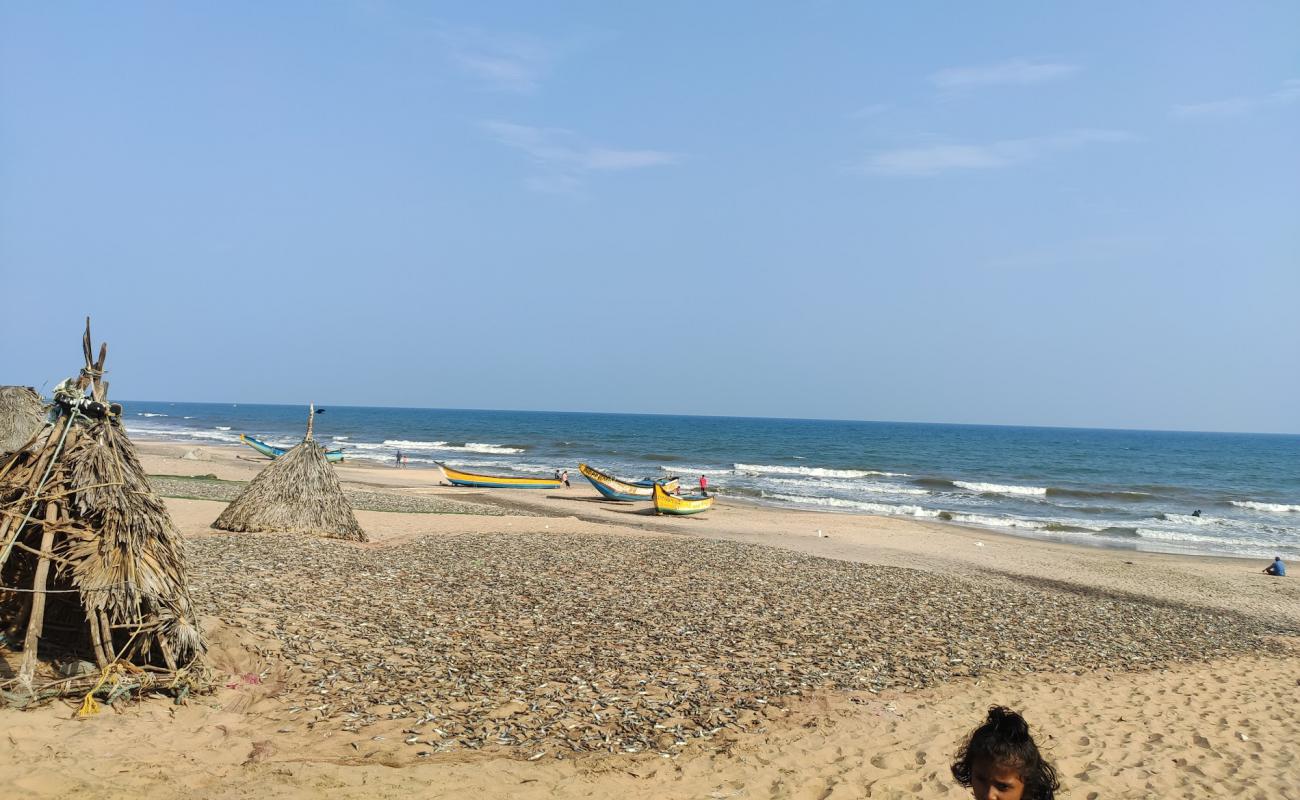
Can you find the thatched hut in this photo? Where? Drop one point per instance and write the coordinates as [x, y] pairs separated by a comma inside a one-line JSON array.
[[22, 416], [296, 493], [93, 586]]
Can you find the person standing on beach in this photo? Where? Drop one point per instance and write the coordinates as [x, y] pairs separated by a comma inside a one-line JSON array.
[[398, 459], [1277, 568], [564, 478], [704, 485]]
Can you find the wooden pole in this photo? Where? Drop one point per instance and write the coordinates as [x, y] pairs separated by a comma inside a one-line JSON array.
[[311, 420], [37, 619]]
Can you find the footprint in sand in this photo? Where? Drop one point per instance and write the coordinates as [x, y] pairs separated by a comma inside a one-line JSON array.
[[1201, 741], [884, 761]]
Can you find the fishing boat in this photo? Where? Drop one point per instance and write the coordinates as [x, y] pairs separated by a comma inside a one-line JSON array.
[[617, 489], [271, 451], [667, 503], [459, 478]]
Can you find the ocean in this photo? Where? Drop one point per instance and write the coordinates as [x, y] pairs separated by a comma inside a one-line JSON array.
[[1119, 488]]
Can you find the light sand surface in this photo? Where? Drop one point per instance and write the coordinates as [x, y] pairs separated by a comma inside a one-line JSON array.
[[1225, 728]]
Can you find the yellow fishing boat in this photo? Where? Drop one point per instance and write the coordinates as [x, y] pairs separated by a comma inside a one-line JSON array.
[[459, 478], [681, 505]]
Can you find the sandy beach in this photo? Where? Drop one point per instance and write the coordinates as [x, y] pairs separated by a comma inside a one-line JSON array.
[[506, 643]]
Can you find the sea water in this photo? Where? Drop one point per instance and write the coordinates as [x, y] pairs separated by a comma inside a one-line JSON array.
[[1124, 488]]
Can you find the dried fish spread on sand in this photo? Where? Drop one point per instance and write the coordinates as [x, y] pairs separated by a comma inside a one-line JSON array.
[[567, 642]]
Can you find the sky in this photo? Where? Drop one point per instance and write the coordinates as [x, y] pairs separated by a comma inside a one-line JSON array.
[[1009, 213]]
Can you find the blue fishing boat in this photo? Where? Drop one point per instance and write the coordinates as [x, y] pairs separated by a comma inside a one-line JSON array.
[[271, 451]]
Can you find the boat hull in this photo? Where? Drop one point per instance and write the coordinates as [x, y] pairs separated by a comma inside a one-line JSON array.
[[271, 451], [627, 491], [458, 478], [666, 503]]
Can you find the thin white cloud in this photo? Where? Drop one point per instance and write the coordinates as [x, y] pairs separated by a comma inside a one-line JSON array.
[[1286, 94], [501, 61], [564, 158], [1016, 72], [936, 159]]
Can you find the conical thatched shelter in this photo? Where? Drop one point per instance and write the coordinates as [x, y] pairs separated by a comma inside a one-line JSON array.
[[22, 415], [92, 573], [296, 493]]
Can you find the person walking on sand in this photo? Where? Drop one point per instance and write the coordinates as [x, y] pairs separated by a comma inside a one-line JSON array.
[[1277, 568], [564, 478], [704, 485], [398, 459]]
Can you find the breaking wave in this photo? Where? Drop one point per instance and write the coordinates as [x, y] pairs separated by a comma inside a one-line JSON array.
[[1277, 508], [856, 505], [452, 447], [1117, 494], [998, 488], [814, 472]]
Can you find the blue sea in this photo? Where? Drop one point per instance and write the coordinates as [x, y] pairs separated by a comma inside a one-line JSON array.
[[1136, 489]]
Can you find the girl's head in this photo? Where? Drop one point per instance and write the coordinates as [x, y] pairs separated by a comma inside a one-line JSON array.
[[999, 761]]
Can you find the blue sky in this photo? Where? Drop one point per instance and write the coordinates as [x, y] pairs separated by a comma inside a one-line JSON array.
[[1016, 213]]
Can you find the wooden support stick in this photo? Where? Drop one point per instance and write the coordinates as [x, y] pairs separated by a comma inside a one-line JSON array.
[[97, 641], [166, 650], [37, 619]]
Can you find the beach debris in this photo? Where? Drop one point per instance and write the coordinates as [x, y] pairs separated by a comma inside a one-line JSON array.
[[297, 492], [91, 565]]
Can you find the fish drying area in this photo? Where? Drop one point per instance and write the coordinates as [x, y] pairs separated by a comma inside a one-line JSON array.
[[551, 644]]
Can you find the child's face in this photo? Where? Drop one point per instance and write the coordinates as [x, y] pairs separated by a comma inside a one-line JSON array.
[[994, 782]]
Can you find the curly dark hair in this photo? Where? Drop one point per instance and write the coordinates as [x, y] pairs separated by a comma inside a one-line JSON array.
[[1004, 740]]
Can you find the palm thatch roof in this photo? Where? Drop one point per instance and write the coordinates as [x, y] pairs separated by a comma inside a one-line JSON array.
[[22, 415], [93, 586], [296, 493]]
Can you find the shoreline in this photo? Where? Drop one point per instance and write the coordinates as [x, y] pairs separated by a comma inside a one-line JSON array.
[[722, 498], [1231, 583]]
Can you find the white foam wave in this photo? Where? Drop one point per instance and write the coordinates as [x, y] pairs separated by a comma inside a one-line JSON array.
[[187, 417], [1276, 508], [999, 522], [1188, 519], [998, 488], [848, 486], [468, 447], [223, 427], [680, 470], [814, 472], [182, 434], [148, 414], [887, 509], [339, 438], [1181, 536]]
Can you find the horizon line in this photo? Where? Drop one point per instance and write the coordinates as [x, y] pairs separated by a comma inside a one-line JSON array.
[[753, 417]]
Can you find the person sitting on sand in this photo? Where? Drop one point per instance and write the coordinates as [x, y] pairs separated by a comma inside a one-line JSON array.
[[1276, 568], [999, 761]]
